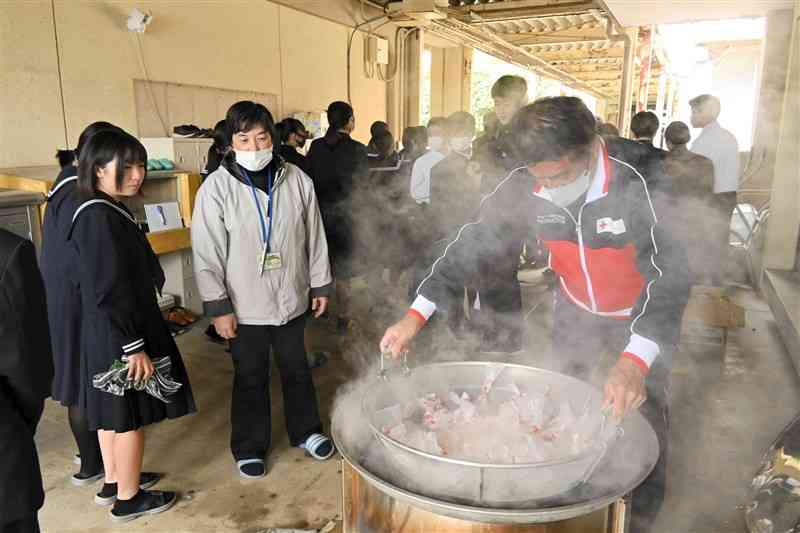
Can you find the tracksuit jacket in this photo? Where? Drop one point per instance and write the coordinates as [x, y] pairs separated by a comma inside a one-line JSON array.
[[609, 249]]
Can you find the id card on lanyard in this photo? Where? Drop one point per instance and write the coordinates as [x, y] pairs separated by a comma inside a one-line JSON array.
[[266, 259]]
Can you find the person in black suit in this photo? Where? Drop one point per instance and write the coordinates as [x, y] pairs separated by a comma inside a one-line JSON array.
[[337, 163], [26, 376], [644, 127]]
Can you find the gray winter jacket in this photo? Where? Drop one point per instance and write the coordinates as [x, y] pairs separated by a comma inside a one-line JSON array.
[[227, 243]]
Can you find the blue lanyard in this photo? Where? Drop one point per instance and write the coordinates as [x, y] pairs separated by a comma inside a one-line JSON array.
[[266, 228]]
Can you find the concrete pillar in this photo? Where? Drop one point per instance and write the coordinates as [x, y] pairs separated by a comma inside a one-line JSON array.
[[438, 81], [646, 56], [466, 80], [769, 103], [412, 88], [780, 249], [669, 112], [626, 91]]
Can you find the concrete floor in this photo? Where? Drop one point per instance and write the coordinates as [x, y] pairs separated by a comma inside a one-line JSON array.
[[727, 407]]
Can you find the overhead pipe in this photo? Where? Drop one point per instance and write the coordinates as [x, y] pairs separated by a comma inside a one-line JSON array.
[[616, 33]]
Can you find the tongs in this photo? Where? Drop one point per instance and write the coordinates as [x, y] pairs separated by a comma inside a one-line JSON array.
[[383, 373]]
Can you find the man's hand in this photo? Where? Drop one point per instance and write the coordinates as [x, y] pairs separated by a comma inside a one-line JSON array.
[[226, 326], [624, 389], [140, 367], [398, 337], [319, 305]]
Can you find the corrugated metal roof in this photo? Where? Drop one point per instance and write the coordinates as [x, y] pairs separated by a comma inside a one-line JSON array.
[[536, 25]]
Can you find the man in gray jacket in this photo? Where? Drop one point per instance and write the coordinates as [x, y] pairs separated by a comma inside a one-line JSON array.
[[260, 259]]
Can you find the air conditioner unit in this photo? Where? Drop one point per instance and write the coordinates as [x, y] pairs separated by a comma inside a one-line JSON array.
[[420, 9]]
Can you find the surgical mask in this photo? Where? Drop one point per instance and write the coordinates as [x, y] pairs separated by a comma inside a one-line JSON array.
[[436, 143], [462, 145], [564, 195], [254, 161]]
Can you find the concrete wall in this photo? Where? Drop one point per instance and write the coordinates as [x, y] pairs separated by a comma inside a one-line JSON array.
[[774, 65], [249, 45]]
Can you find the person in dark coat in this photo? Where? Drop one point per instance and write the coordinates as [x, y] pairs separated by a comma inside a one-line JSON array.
[[692, 189], [293, 136], [119, 275], [59, 269], [26, 375], [377, 128], [337, 162], [382, 203], [644, 127], [455, 197], [500, 292]]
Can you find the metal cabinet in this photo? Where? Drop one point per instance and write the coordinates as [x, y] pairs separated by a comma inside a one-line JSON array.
[[19, 214]]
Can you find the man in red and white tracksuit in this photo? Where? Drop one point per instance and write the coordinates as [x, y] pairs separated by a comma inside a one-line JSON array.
[[623, 280]]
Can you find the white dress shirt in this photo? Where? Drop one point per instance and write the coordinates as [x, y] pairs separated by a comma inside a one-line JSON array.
[[720, 146], [421, 176]]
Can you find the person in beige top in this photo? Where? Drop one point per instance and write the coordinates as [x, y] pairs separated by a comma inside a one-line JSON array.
[[261, 260]]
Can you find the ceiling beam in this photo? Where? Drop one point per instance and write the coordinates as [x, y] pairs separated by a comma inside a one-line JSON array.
[[605, 75], [556, 37], [589, 61], [568, 55], [588, 70], [499, 11]]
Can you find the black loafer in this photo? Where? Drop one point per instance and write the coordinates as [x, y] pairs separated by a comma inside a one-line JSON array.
[[84, 480], [146, 502], [108, 494]]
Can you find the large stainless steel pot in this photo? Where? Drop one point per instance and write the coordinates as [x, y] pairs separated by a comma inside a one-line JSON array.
[[486, 484]]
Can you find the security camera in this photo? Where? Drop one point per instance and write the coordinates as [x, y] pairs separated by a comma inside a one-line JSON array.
[[138, 21]]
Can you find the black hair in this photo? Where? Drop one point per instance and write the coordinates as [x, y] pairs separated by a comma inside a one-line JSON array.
[[440, 122], [553, 128], [384, 143], [288, 126], [677, 133], [90, 131], [377, 127], [416, 136], [339, 114], [101, 149], [644, 124], [607, 129], [245, 115], [460, 121], [509, 85], [65, 157], [221, 138]]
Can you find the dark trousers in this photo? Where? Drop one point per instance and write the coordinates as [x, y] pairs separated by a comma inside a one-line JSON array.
[[724, 204], [251, 421], [29, 524], [582, 339]]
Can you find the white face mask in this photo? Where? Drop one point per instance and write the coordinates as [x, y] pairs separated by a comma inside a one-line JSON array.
[[254, 161], [436, 143], [461, 145]]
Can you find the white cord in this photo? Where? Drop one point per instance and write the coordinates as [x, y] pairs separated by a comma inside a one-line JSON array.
[[148, 84]]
